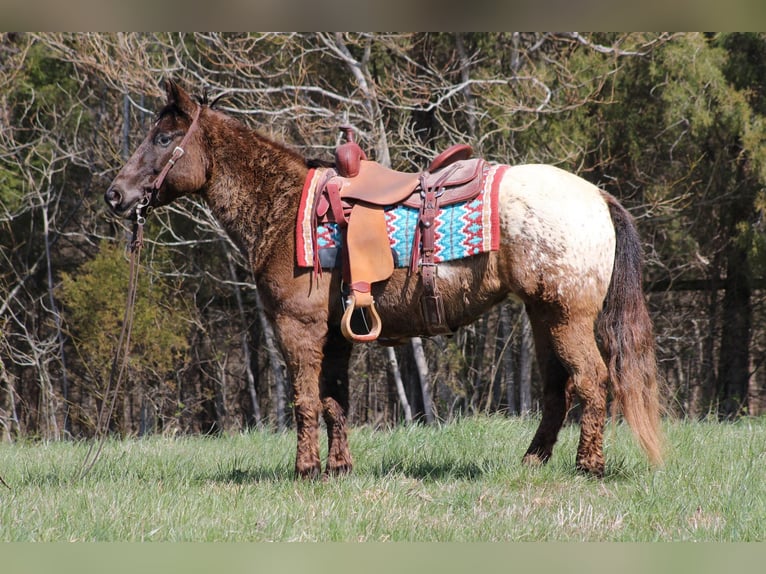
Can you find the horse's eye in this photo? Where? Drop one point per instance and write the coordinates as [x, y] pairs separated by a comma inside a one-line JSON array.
[[163, 139]]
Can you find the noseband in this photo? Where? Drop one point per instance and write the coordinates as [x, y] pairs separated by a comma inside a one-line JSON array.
[[145, 204]]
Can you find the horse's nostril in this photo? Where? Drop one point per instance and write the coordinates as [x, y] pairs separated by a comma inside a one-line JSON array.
[[112, 197]]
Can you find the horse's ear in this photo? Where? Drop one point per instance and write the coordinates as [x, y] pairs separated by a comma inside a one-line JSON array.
[[178, 97]]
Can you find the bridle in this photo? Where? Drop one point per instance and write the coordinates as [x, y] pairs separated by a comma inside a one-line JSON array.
[[144, 205], [120, 360]]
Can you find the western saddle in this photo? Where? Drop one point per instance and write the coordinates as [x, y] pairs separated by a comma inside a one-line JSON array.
[[355, 194]]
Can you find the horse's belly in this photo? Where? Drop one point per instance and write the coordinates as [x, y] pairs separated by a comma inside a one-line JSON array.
[[468, 287], [558, 229]]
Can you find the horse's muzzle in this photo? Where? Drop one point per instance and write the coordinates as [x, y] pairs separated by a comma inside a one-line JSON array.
[[119, 202]]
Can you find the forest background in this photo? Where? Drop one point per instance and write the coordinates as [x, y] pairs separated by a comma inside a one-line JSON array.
[[672, 124]]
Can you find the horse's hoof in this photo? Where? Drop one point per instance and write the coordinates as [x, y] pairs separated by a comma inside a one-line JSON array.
[[308, 473], [338, 470], [595, 470], [535, 459], [532, 460]]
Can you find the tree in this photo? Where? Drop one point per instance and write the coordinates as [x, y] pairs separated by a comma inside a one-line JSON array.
[[671, 124], [683, 146], [95, 296]]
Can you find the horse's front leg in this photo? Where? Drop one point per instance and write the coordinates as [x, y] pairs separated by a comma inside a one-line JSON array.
[[334, 394], [302, 346]]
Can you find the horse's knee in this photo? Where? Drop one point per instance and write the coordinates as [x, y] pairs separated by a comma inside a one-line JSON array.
[[588, 381], [593, 399], [333, 412]]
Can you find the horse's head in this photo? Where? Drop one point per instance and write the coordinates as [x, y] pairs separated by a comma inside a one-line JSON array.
[[170, 162]]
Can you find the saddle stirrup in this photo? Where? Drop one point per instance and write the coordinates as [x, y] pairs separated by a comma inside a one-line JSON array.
[[376, 324]]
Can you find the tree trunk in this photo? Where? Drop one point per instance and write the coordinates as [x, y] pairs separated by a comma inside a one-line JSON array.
[[425, 386], [465, 77], [734, 358], [479, 336], [505, 373], [705, 390], [8, 416], [526, 350], [57, 322], [246, 355], [393, 371], [276, 363]]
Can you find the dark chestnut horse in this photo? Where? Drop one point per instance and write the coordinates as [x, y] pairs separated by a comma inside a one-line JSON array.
[[568, 250]]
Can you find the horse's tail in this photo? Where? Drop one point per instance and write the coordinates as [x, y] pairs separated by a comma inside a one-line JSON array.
[[627, 338]]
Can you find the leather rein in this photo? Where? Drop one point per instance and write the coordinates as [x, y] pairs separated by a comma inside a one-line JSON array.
[[120, 361]]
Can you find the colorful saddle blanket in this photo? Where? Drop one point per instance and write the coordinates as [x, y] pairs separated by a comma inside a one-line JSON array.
[[462, 229]]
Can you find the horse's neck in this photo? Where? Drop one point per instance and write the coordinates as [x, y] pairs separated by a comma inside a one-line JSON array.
[[254, 192]]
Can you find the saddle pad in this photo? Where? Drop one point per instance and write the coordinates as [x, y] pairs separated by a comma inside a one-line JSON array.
[[462, 230]]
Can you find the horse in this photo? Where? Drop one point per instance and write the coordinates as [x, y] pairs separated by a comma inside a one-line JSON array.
[[568, 250]]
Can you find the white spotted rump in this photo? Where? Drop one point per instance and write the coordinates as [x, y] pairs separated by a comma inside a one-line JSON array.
[[563, 225]]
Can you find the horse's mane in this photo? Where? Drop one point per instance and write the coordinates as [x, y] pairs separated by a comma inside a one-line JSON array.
[[316, 162], [203, 99]]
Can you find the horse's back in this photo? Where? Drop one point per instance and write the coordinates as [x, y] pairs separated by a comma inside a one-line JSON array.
[[558, 234]]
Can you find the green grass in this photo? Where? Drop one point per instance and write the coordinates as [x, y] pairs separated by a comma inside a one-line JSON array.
[[458, 482]]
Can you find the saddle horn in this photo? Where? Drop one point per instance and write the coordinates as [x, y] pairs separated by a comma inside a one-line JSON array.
[[348, 156]]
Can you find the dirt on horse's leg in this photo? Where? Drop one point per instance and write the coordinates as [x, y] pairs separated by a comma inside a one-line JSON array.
[[301, 344], [590, 450], [555, 406], [334, 394], [576, 347], [307, 464]]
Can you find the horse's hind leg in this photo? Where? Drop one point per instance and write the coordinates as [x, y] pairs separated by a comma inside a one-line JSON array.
[[567, 354], [334, 395], [575, 345], [554, 409]]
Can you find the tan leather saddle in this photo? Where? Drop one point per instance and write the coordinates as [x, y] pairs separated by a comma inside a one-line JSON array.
[[355, 196]]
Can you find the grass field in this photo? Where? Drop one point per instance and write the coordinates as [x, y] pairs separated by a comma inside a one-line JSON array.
[[458, 482]]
